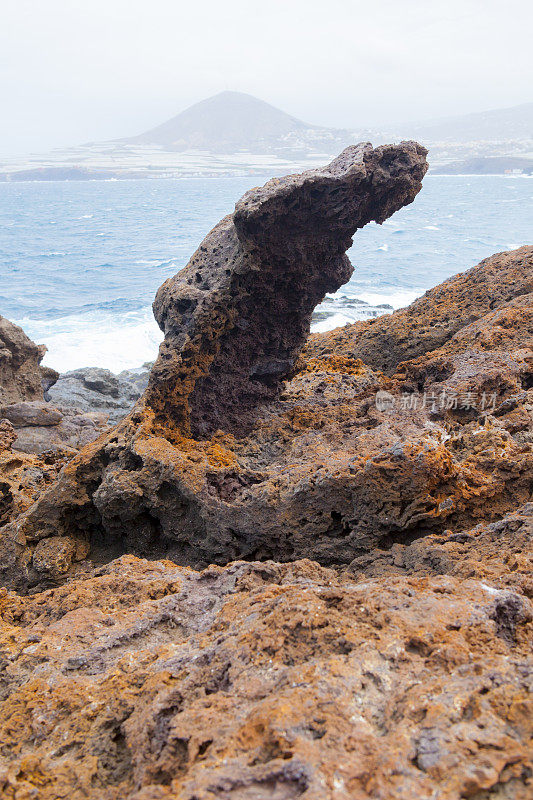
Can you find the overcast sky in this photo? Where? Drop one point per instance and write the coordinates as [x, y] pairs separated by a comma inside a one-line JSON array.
[[73, 71]]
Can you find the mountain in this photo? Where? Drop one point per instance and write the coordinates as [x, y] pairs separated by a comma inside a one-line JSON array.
[[226, 123], [501, 124], [233, 133]]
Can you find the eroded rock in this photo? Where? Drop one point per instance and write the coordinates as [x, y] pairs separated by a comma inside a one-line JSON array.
[[262, 680], [327, 469], [436, 318], [21, 375], [94, 390], [190, 472], [237, 316], [31, 414], [23, 478]]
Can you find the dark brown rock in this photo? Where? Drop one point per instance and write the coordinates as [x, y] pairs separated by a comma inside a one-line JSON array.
[[21, 375], [237, 316], [165, 481]]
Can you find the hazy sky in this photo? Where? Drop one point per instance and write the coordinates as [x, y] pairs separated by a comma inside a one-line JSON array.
[[79, 70]]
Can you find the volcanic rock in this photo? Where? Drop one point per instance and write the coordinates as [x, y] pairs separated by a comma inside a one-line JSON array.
[[259, 680], [23, 477], [328, 470], [435, 318], [500, 553], [72, 431], [21, 375], [190, 473], [7, 435], [22, 415], [237, 316], [96, 390]]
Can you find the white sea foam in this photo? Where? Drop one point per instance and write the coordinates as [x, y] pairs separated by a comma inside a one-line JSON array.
[[334, 321], [118, 341], [350, 305], [97, 339], [397, 298]]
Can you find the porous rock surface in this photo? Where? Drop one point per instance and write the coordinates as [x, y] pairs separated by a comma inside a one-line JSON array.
[[406, 671], [202, 469], [21, 375], [500, 281], [23, 477], [238, 315], [264, 680], [326, 471], [41, 428]]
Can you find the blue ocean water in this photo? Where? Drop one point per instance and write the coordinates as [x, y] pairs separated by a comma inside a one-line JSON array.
[[80, 262]]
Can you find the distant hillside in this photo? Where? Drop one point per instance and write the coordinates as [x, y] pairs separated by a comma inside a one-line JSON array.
[[236, 134], [226, 123], [487, 166], [498, 125], [63, 173]]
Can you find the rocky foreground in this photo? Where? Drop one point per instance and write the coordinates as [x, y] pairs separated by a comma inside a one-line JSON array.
[[139, 662]]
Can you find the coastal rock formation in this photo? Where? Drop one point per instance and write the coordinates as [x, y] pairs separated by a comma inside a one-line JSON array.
[[96, 390], [397, 452], [267, 681], [21, 375], [23, 477], [191, 473], [434, 319], [237, 316], [500, 553], [41, 428], [80, 406], [329, 469]]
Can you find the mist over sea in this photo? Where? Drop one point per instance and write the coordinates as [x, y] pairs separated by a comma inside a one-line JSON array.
[[80, 262]]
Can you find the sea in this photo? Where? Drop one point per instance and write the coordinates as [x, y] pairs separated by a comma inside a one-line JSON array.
[[80, 261]]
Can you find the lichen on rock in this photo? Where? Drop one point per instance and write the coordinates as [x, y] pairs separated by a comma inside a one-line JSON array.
[[169, 480], [264, 680]]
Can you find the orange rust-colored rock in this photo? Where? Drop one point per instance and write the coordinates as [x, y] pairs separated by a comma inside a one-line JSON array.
[[261, 680], [23, 477], [194, 472], [327, 471], [439, 316]]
